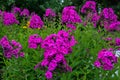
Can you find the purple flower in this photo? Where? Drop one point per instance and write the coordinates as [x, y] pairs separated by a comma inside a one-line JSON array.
[[108, 67], [25, 13], [32, 45], [108, 19], [34, 41], [16, 10], [72, 41], [10, 48], [36, 22], [22, 54], [9, 19], [114, 26], [95, 18], [49, 13], [108, 39], [15, 51], [89, 6], [7, 54], [70, 16], [50, 53], [52, 65], [71, 26], [106, 59], [97, 64], [16, 44], [48, 75], [117, 41], [44, 62], [63, 34], [56, 47], [108, 13], [49, 41], [92, 18], [63, 49], [4, 41], [59, 57], [107, 64]]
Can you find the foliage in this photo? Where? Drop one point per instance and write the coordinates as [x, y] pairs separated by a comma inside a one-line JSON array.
[[90, 41], [81, 60]]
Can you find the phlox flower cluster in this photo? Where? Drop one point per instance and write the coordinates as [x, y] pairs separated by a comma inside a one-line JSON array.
[[108, 19], [16, 10], [108, 13], [114, 26], [106, 59], [36, 22], [117, 41], [70, 17], [89, 6], [11, 48], [56, 47], [9, 19], [49, 13], [34, 40], [25, 13], [95, 18]]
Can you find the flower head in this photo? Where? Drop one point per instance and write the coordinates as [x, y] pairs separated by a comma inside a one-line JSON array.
[[34, 41], [56, 47], [49, 13], [89, 6], [70, 17], [48, 75], [25, 13], [11, 48], [9, 19], [16, 10], [36, 22], [106, 59]]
